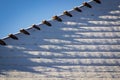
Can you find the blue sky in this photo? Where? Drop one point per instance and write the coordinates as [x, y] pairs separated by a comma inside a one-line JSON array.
[[21, 14]]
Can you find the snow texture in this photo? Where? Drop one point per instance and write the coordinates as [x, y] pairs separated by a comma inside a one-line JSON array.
[[83, 47]]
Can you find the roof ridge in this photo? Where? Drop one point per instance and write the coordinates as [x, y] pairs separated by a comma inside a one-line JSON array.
[[57, 18]]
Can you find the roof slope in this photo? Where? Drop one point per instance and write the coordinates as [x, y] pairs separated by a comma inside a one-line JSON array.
[[85, 46]]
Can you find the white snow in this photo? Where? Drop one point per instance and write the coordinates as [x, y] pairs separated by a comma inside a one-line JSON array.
[[83, 47]]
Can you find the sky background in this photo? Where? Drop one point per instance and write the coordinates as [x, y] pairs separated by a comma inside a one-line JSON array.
[[21, 14]]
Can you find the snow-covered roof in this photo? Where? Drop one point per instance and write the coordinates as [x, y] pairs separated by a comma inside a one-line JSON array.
[[81, 44]]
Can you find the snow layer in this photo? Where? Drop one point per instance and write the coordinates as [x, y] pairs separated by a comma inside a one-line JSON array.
[[83, 47]]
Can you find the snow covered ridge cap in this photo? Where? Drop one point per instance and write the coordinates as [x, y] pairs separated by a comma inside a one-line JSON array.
[[57, 18]]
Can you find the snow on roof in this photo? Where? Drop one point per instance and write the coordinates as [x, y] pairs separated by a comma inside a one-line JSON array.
[[83, 43]]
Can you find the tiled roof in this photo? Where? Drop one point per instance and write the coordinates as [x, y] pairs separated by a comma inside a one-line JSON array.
[[81, 44]]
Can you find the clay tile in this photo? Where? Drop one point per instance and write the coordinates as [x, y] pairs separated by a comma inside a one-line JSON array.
[[97, 1], [36, 27], [2, 42], [47, 23], [25, 32], [67, 13], [87, 5], [77, 9], [57, 18], [13, 36]]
